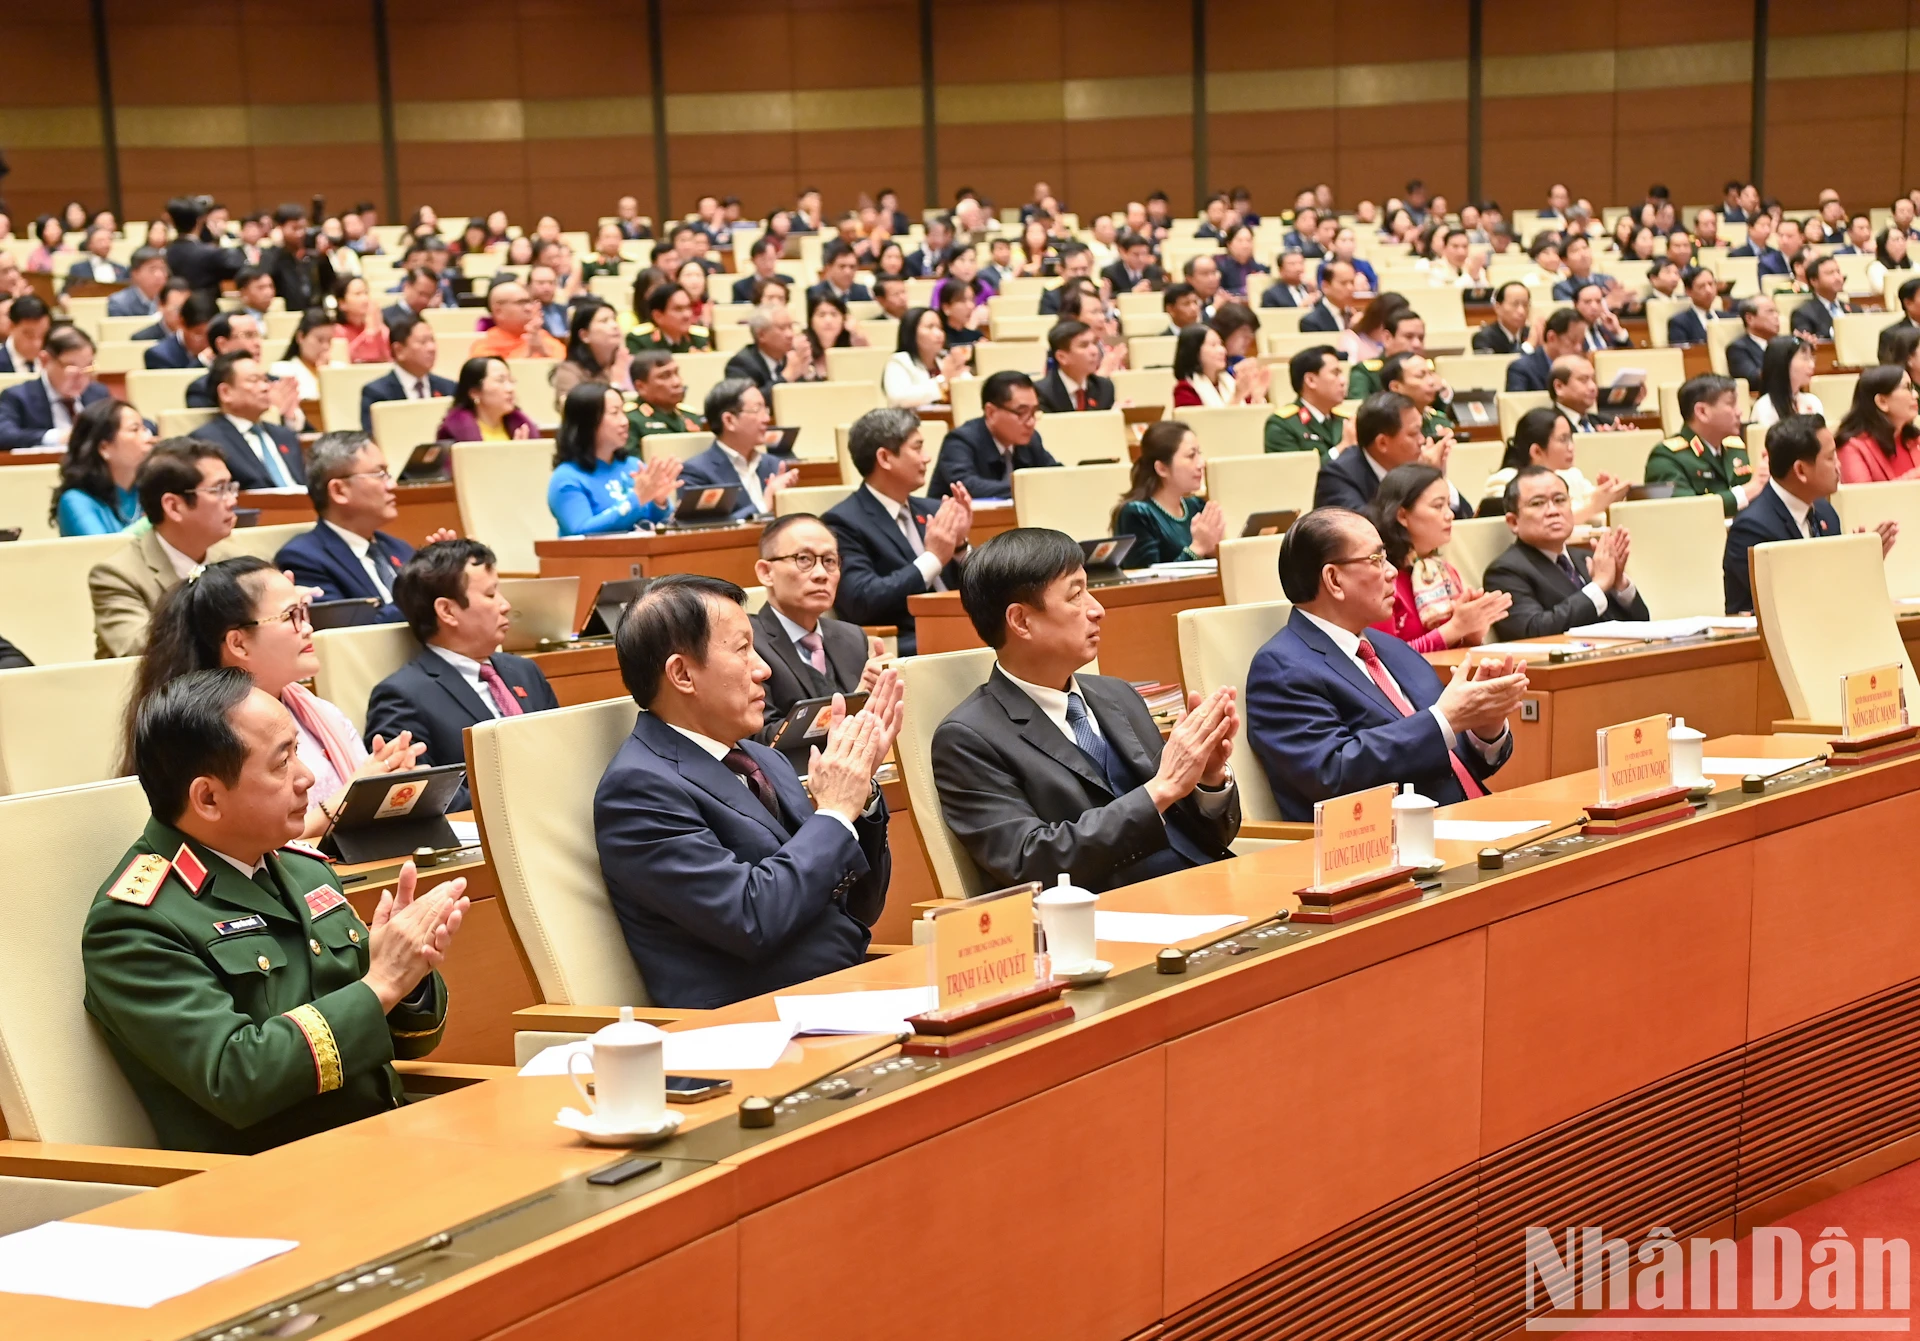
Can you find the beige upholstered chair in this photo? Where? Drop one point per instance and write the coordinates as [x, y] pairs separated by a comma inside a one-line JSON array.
[[533, 779], [935, 684], [1474, 372], [502, 489], [1622, 455], [354, 660], [1217, 646], [1076, 499], [686, 446], [1250, 570], [1835, 391], [1476, 543], [1085, 436], [1513, 404], [816, 498], [1720, 334], [45, 610], [533, 389], [151, 390], [1227, 430], [1868, 505], [701, 372], [815, 407], [1143, 386], [1269, 482], [1856, 336], [181, 423], [261, 542], [401, 425], [26, 500], [60, 726], [1677, 547], [857, 363], [1469, 466], [340, 385], [1663, 367], [1151, 351], [1825, 613], [1027, 356], [964, 395]]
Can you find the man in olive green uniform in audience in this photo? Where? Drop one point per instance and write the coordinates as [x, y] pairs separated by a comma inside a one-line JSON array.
[[669, 324], [246, 1002], [1312, 422], [1405, 332], [1692, 462], [658, 389]]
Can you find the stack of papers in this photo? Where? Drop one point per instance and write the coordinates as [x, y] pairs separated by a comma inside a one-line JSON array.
[[133, 1268], [1158, 928], [883, 1012], [754, 1046]]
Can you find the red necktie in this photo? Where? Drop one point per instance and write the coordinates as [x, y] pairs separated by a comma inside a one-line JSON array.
[[739, 761], [1371, 660], [1083, 398], [502, 696]]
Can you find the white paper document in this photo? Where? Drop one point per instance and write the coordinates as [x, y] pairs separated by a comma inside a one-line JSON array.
[[467, 832], [133, 1268], [1484, 831], [1529, 649], [1660, 630], [753, 1046], [883, 1012], [1734, 766], [1158, 928]]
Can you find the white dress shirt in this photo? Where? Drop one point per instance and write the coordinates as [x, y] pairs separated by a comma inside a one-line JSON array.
[[411, 387], [363, 550], [1800, 510], [1593, 591], [469, 670], [1349, 645], [719, 749], [62, 421], [1380, 473], [240, 866], [749, 476], [902, 514], [182, 566], [21, 363]]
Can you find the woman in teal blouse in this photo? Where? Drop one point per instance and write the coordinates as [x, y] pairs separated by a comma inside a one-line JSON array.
[[597, 488], [1160, 509], [95, 494]]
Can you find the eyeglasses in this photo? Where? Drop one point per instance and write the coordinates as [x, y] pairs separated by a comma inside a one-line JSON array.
[[1378, 559], [382, 474], [1026, 414], [1540, 502], [294, 616], [224, 489], [803, 563]]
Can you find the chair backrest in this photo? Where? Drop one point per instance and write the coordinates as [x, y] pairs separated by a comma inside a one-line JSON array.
[[340, 385], [965, 395], [1856, 336], [1250, 570], [857, 363], [26, 500], [533, 389], [1663, 367], [935, 684], [45, 609], [501, 488], [815, 407], [686, 446], [1825, 613], [1076, 499], [58, 1081], [1143, 386], [1217, 645], [1228, 430], [1835, 393], [354, 660], [60, 725], [533, 779], [1270, 482], [1470, 464], [261, 542], [1476, 543], [1151, 351], [451, 350], [1720, 334], [401, 425], [181, 423], [457, 320], [1085, 436], [151, 390], [1677, 547], [1513, 404], [1867, 505], [1027, 356], [122, 356], [1440, 308], [814, 498], [701, 371], [1474, 372], [1622, 455]]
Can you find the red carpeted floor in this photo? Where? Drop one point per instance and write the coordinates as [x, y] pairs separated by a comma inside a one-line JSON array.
[[1888, 1207]]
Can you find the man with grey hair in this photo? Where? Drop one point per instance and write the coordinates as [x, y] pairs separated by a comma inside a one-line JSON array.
[[893, 544], [346, 556], [776, 354]]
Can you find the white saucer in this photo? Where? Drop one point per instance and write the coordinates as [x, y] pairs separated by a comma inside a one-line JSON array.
[[1084, 975], [587, 1125]]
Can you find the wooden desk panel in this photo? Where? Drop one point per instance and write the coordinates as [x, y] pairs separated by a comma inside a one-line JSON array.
[[1138, 639], [697, 1286], [579, 675], [424, 509], [727, 552]]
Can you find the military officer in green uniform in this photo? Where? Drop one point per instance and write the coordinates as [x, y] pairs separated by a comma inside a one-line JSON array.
[[669, 324], [1312, 422], [658, 389], [1693, 464], [243, 998], [1404, 332], [606, 255], [1412, 376]]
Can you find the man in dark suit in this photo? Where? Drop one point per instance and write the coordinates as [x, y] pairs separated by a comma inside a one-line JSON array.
[[1334, 311], [1555, 589], [1047, 770], [1789, 242], [234, 333], [419, 290], [414, 351], [301, 275], [1135, 271], [449, 594], [1075, 382], [1387, 434], [810, 654], [202, 265], [186, 347], [764, 257], [775, 355], [1689, 326], [260, 455], [31, 322], [1803, 472], [96, 267], [1814, 318], [838, 266], [727, 880], [737, 414], [922, 264], [1507, 332], [146, 280], [1563, 333], [1336, 706], [1076, 262], [983, 453], [346, 555], [1576, 393], [894, 544], [1746, 353], [40, 413], [1289, 287]]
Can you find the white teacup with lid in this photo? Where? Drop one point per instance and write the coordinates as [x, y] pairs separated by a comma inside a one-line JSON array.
[[1688, 749], [628, 1060], [1066, 913]]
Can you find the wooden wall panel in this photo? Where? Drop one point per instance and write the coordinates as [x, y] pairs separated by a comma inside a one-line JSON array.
[[697, 1286], [49, 71]]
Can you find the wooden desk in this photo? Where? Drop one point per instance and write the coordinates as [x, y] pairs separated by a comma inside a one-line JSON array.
[[424, 509], [989, 521], [1714, 685], [725, 551], [1651, 1029], [585, 674], [1138, 639]]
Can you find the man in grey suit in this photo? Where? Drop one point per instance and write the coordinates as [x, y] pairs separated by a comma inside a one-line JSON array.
[[1046, 770], [810, 655]]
